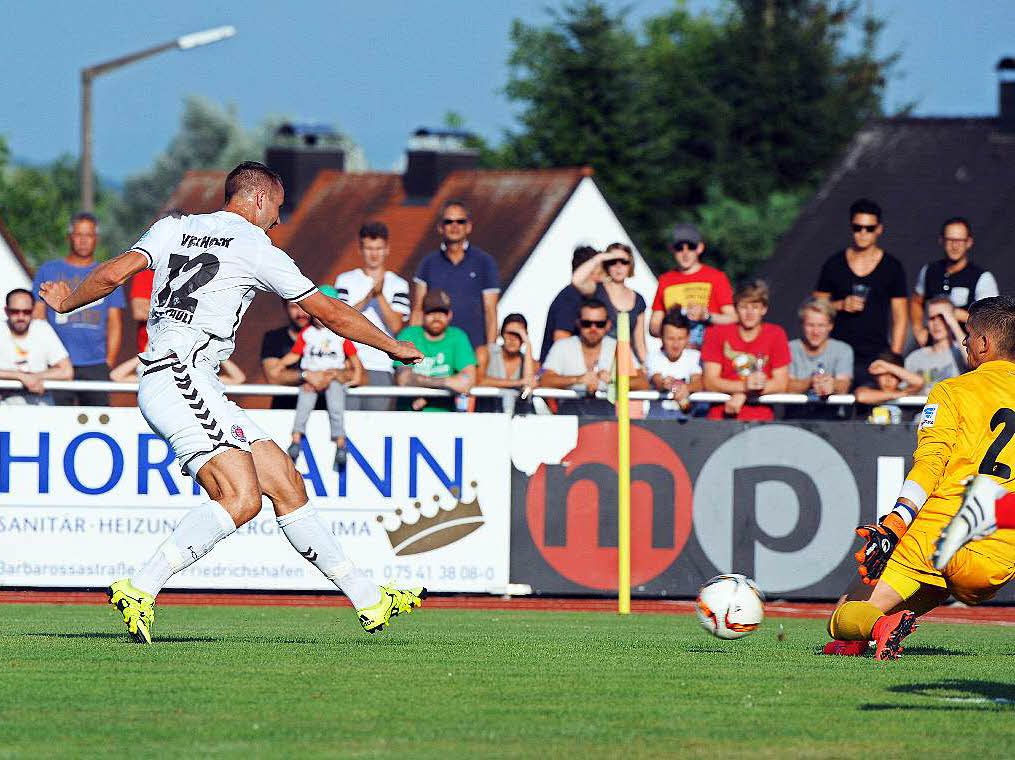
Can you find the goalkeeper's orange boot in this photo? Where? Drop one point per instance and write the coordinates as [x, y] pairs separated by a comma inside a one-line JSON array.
[[889, 632], [846, 648]]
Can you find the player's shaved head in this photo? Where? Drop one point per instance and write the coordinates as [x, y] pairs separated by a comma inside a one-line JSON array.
[[250, 177], [995, 317]]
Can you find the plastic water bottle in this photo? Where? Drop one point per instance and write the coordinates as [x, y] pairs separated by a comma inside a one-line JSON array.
[[819, 371], [462, 402]]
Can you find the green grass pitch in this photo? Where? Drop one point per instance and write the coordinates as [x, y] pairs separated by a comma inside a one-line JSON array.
[[253, 682]]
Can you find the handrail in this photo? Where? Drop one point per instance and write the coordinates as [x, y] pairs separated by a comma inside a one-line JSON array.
[[404, 391]]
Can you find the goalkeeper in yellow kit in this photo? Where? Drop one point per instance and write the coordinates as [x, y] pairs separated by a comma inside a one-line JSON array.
[[965, 429]]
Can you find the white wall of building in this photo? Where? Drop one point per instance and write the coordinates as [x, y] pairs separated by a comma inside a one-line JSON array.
[[586, 219], [12, 275]]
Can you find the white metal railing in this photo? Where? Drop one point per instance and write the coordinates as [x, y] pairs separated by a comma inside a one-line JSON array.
[[402, 391]]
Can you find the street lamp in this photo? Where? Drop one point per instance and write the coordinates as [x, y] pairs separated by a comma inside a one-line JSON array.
[[186, 42]]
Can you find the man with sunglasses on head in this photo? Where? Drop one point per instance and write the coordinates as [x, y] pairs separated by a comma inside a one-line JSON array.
[[703, 293], [584, 363], [30, 352], [466, 273], [867, 286], [954, 276]]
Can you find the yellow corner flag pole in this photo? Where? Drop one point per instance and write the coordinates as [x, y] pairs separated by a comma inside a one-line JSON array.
[[624, 463]]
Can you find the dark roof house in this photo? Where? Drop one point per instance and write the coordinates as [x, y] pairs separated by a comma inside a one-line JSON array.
[[921, 171]]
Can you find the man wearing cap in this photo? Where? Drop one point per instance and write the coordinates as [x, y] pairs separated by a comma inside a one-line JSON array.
[[449, 361], [703, 293]]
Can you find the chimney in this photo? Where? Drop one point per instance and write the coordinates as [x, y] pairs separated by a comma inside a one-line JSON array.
[[1006, 94], [432, 155], [298, 152]]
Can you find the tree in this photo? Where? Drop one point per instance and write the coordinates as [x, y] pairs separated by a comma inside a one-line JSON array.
[[37, 203], [737, 112]]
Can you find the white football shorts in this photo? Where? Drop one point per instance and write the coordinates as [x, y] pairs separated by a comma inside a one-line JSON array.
[[188, 407]]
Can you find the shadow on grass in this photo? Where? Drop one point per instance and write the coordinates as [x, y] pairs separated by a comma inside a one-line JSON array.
[[109, 635], [936, 651], [955, 693]]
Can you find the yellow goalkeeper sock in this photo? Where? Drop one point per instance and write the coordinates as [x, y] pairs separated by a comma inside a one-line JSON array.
[[854, 621]]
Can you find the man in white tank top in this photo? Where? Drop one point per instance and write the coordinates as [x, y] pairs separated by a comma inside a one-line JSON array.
[[207, 269]]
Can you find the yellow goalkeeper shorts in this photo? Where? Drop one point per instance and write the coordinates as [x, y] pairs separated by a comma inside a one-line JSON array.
[[975, 574]]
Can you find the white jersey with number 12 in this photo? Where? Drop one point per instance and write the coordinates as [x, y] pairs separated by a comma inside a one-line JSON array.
[[208, 268]]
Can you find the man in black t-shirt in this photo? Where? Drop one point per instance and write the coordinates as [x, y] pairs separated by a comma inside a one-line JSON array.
[[276, 344], [954, 276], [560, 315], [868, 287]]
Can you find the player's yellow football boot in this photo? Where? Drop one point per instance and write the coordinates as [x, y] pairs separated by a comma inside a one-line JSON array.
[[889, 632], [393, 602], [137, 608]]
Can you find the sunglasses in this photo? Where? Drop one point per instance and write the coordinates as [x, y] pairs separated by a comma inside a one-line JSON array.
[[15, 312], [449, 222], [512, 334], [445, 312], [600, 323], [864, 227], [611, 262], [682, 244]]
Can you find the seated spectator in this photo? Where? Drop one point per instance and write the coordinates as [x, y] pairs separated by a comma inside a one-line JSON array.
[[702, 292], [279, 342], [318, 349], [943, 357], [30, 352], [954, 276], [889, 381], [510, 365], [674, 369], [746, 359], [560, 315], [819, 365], [127, 372], [603, 277], [868, 287], [448, 358], [584, 363], [383, 298]]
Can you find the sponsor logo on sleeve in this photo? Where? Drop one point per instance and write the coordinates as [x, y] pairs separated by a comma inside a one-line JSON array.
[[929, 416]]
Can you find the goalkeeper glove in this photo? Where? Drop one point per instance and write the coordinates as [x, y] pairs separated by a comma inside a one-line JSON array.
[[880, 540]]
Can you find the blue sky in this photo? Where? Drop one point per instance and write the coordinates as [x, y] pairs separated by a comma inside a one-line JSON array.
[[377, 70]]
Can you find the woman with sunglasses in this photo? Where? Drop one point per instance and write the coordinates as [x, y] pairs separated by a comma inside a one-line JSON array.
[[604, 277]]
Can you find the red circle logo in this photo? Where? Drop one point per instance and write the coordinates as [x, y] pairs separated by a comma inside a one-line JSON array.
[[661, 496]]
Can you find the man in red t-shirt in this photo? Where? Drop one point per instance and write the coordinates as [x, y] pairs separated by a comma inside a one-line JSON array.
[[703, 293], [140, 303], [746, 359]]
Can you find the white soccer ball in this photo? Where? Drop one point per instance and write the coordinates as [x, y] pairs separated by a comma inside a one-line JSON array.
[[730, 606]]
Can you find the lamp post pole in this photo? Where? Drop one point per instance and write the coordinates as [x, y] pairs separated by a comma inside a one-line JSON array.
[[89, 74]]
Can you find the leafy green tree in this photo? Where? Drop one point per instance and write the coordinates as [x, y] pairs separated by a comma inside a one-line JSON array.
[[733, 113], [37, 202]]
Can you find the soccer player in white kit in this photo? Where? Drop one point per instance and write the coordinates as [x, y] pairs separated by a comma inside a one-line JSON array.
[[207, 269]]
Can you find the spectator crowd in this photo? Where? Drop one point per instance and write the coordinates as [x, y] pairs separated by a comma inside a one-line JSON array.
[[866, 329]]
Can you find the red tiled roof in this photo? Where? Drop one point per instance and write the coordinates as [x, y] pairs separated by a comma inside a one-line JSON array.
[[510, 210]]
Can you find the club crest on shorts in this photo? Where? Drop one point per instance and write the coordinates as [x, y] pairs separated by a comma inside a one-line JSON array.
[[237, 432]]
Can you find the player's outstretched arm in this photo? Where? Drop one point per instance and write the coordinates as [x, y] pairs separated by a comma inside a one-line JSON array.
[[349, 323], [100, 282]]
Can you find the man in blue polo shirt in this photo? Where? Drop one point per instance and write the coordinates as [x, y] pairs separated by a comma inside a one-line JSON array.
[[463, 271], [92, 334]]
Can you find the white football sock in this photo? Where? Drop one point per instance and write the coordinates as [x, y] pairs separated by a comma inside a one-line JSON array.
[[309, 536], [195, 535]]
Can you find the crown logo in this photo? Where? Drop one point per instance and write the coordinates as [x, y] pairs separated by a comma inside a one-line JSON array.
[[415, 531]]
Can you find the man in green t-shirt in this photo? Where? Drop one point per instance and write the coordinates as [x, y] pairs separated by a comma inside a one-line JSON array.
[[448, 359]]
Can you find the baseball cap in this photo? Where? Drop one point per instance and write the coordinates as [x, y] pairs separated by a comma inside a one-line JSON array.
[[436, 300], [686, 232]]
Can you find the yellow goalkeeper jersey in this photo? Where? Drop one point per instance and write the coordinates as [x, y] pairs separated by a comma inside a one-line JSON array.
[[966, 428]]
